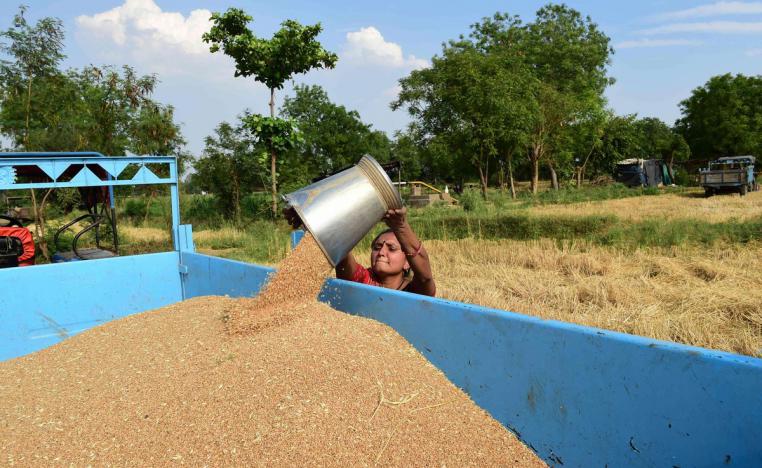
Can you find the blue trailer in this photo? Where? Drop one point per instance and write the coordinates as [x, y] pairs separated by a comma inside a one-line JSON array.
[[578, 396]]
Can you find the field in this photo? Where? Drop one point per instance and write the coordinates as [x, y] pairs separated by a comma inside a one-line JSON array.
[[666, 264]]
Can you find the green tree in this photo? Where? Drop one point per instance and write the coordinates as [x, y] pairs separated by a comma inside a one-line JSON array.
[[470, 99], [228, 168], [36, 52], [293, 49], [723, 117], [569, 55], [333, 137], [660, 141], [621, 139]]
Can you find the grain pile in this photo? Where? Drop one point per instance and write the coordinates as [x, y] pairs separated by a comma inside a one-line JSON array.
[[171, 386]]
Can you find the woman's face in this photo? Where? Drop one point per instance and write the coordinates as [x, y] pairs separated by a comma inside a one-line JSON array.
[[386, 256]]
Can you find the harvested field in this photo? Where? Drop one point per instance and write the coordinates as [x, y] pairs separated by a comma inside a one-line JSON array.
[[691, 205], [709, 297], [319, 387]]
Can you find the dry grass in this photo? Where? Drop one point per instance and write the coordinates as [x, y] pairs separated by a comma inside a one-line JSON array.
[[704, 298], [674, 206], [148, 234]]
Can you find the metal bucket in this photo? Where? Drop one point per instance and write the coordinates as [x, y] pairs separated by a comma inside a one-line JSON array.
[[339, 210]]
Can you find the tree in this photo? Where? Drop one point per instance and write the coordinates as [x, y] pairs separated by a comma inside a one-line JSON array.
[[661, 141], [228, 168], [723, 117], [334, 137], [292, 50], [36, 51], [567, 55], [469, 98]]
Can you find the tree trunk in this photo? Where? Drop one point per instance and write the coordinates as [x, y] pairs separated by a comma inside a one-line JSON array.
[[148, 206], [553, 176], [510, 175], [486, 178], [28, 112], [273, 173], [535, 157], [236, 198], [482, 177]]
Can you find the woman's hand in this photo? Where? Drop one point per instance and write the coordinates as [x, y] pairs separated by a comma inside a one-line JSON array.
[[291, 217], [396, 219]]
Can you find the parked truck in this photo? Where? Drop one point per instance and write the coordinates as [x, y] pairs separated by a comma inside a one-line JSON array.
[[729, 174]]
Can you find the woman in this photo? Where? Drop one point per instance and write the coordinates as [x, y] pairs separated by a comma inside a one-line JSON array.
[[394, 253]]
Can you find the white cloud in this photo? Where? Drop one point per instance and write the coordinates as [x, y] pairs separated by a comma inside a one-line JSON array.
[[722, 27], [368, 46], [142, 23], [714, 9], [656, 43]]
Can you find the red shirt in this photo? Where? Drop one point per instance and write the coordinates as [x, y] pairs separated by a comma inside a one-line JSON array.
[[365, 276], [22, 234]]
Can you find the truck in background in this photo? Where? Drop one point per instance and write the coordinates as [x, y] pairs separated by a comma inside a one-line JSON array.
[[729, 174]]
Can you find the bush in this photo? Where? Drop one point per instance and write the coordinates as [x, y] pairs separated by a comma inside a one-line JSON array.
[[471, 200], [257, 206], [201, 210], [135, 208]]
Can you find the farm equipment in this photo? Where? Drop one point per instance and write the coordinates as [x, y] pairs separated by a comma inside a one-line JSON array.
[[578, 396], [423, 194], [729, 174], [642, 173], [16, 243]]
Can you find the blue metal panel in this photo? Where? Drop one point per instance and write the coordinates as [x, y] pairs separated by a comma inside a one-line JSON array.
[[55, 166], [296, 237], [186, 238], [219, 276], [582, 396], [45, 304]]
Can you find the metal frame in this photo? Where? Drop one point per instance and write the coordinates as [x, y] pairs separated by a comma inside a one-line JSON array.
[[55, 164]]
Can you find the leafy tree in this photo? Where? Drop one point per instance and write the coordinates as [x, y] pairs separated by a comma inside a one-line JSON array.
[[271, 135], [292, 50], [228, 168], [723, 117], [36, 52], [334, 137], [567, 55], [621, 139], [661, 141], [470, 99]]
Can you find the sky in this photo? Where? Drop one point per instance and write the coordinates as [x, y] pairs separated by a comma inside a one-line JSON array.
[[663, 49]]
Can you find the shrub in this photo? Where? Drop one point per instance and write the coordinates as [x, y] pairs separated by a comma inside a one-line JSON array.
[[471, 200]]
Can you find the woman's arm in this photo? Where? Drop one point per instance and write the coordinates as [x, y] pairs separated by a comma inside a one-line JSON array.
[[417, 257], [345, 269]]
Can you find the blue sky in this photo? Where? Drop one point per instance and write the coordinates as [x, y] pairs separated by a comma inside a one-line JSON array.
[[664, 49]]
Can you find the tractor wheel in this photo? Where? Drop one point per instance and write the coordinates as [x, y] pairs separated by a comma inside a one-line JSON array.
[[743, 190], [708, 191]]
